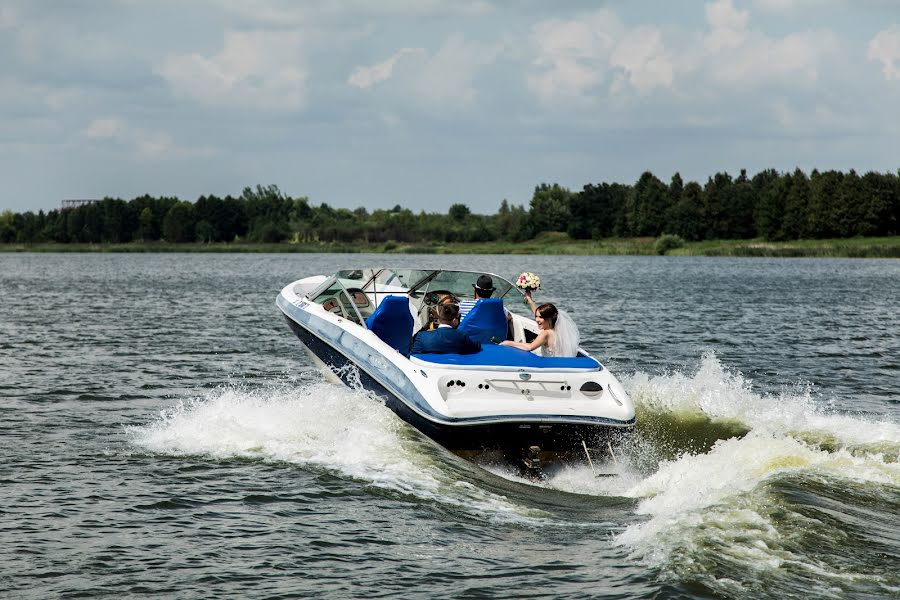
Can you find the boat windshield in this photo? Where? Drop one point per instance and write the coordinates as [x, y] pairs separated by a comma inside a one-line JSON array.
[[459, 283], [355, 293], [392, 281], [344, 300]]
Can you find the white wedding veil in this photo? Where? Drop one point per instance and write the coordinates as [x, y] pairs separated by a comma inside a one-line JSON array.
[[567, 339]]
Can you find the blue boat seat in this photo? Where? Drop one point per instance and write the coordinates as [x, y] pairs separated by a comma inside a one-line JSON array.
[[393, 323], [494, 357], [486, 320]]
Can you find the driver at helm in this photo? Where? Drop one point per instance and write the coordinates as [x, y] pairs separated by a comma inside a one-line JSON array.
[[484, 288]]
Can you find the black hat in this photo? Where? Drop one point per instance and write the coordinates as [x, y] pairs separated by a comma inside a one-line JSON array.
[[484, 283]]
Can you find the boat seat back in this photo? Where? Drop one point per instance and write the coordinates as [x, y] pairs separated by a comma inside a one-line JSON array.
[[486, 320], [392, 321]]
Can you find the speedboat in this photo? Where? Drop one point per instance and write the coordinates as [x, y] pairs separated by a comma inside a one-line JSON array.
[[358, 326]]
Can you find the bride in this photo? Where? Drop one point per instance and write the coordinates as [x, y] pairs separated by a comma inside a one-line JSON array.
[[558, 335]]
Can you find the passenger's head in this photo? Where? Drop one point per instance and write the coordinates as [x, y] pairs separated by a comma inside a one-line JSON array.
[[448, 314], [545, 316], [484, 287]]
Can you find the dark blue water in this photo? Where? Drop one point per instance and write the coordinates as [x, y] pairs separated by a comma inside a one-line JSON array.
[[163, 434]]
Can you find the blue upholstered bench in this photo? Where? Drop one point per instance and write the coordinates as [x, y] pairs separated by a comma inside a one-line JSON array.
[[494, 357]]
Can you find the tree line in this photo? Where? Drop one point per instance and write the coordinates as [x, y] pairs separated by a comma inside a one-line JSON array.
[[769, 205]]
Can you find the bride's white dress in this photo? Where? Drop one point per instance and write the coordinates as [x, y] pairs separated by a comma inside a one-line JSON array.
[[565, 339]]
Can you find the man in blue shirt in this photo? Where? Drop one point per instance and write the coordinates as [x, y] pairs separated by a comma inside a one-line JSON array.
[[446, 339]]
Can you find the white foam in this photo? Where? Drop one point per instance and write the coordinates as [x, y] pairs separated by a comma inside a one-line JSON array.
[[319, 425], [607, 478], [323, 426], [718, 394], [717, 500]]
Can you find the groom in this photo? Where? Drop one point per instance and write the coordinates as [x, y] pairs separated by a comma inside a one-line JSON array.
[[446, 339]]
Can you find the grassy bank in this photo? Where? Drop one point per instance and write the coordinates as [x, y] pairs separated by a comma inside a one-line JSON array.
[[551, 244], [883, 247]]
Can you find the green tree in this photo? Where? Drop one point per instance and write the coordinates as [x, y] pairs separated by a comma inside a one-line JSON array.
[[550, 208], [92, 224], [145, 225], [268, 213], [718, 196], [54, 227], [647, 205], [503, 220], [300, 220], [877, 205], [459, 213], [7, 227], [796, 208], [26, 227], [772, 190], [685, 217], [206, 233], [740, 208], [116, 221], [676, 187], [824, 204], [848, 215], [596, 209], [75, 225], [178, 224]]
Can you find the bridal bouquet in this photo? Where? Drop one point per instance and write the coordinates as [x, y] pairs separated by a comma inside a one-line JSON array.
[[528, 282]]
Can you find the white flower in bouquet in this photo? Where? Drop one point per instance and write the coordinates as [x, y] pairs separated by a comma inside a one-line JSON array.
[[528, 281]]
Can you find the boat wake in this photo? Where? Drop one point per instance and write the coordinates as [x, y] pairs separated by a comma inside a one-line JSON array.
[[738, 492], [718, 480], [324, 427], [739, 481]]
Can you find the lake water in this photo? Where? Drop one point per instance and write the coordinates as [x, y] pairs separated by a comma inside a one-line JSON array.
[[163, 434]]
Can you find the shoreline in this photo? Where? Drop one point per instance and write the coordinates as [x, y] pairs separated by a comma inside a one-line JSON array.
[[548, 244]]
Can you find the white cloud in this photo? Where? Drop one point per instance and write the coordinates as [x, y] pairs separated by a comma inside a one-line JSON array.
[[759, 60], [444, 80], [642, 56], [145, 144], [292, 13], [727, 26], [739, 57], [885, 47], [788, 6], [260, 70], [366, 77], [814, 118], [723, 15], [572, 57], [104, 129], [447, 78]]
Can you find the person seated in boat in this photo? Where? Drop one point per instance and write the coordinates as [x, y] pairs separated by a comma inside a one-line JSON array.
[[433, 311], [484, 288], [558, 334], [446, 339]]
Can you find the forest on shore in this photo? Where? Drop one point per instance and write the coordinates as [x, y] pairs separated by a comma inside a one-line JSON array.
[[771, 206]]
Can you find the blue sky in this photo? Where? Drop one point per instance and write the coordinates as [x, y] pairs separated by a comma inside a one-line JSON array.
[[426, 103]]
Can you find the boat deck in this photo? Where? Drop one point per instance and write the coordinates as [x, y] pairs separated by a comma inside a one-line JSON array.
[[494, 357]]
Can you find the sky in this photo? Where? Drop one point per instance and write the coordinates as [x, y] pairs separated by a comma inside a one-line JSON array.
[[427, 103]]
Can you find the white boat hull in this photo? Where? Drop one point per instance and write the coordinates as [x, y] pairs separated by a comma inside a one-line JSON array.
[[468, 410]]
